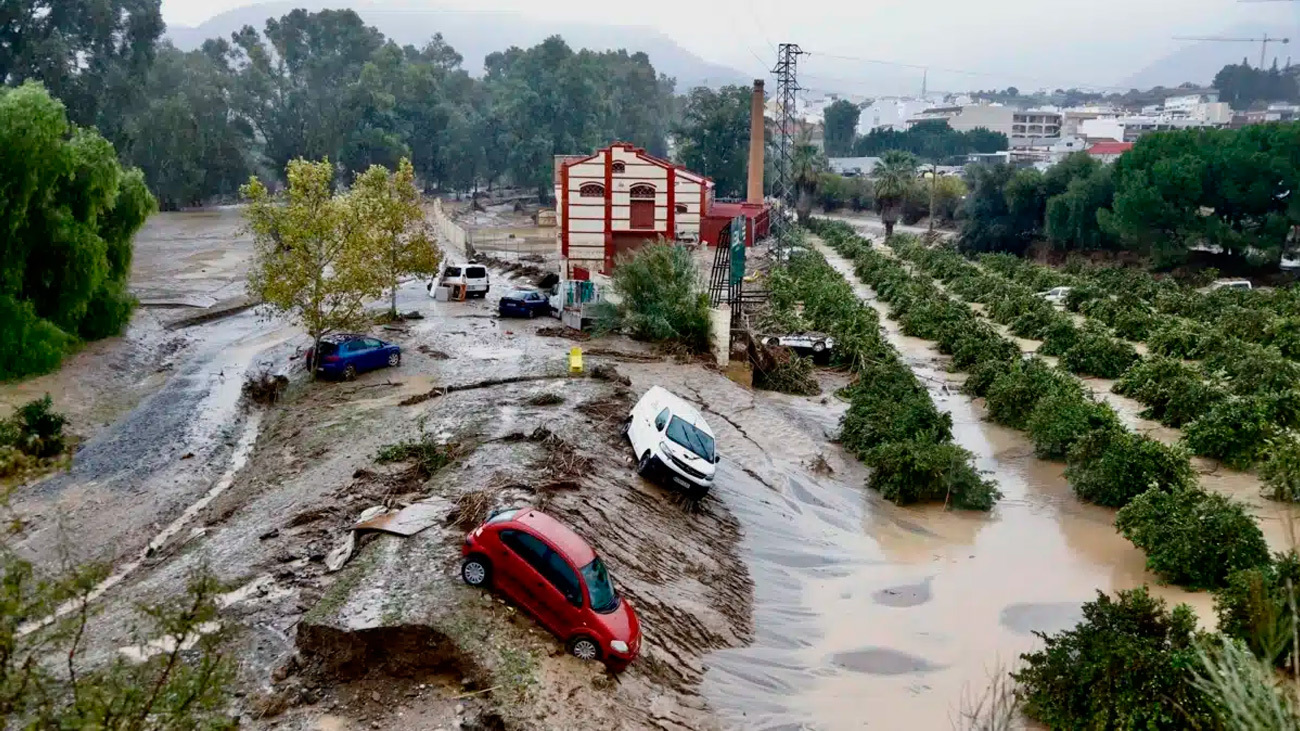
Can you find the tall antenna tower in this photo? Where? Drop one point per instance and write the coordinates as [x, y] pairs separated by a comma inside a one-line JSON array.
[[787, 87]]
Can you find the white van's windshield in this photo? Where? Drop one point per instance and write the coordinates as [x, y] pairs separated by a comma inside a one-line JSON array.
[[693, 439]]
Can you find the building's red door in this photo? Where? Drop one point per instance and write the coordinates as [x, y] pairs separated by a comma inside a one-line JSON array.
[[643, 213]]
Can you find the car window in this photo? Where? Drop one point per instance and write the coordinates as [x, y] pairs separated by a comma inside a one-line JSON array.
[[452, 272], [693, 439], [599, 588], [562, 575], [517, 294], [349, 347], [329, 348], [662, 419], [372, 343], [475, 272]]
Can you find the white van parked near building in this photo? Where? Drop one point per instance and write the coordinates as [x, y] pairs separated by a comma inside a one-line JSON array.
[[473, 276], [671, 440]]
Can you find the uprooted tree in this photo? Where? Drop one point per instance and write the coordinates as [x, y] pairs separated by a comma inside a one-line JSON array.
[[316, 255]]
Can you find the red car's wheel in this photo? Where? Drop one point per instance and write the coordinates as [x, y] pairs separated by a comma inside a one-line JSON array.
[[584, 648], [476, 571]]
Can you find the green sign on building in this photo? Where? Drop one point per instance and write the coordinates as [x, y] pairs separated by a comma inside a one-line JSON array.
[[737, 250]]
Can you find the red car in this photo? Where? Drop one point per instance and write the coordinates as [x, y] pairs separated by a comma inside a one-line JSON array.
[[546, 568]]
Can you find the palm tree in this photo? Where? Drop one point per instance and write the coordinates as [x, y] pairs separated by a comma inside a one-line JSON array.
[[807, 163], [895, 175]]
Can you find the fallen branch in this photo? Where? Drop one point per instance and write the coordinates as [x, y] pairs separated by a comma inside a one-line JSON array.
[[489, 383]]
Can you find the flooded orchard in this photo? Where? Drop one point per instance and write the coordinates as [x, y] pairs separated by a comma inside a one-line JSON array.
[[795, 598]]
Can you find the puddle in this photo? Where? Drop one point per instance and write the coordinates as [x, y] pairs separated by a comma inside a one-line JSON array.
[[907, 595], [1046, 617], [882, 661]]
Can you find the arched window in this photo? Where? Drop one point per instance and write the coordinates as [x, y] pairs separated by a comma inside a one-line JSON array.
[[680, 208], [592, 190], [642, 190], [618, 167]]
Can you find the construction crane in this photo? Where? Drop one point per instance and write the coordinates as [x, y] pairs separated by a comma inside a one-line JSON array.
[[1263, 42]]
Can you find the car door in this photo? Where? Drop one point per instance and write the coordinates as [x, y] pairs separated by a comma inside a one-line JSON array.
[[532, 576], [642, 426], [516, 576], [376, 353]]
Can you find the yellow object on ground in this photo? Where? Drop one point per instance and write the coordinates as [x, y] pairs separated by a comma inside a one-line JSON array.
[[575, 360]]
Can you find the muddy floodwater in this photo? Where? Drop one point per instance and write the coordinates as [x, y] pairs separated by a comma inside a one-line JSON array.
[[872, 616]]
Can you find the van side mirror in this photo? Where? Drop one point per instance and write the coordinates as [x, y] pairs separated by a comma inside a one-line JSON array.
[[717, 458]]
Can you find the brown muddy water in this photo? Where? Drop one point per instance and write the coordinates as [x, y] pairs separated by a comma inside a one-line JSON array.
[[872, 616]]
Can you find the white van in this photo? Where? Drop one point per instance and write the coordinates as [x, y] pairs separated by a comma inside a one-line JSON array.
[[473, 276], [1239, 284], [672, 440]]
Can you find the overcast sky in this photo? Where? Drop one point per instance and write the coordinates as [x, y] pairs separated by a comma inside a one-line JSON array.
[[1036, 43]]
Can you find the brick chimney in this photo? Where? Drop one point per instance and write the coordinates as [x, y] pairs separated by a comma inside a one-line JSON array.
[[756, 144]]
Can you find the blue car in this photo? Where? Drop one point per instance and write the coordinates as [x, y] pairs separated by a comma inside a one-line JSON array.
[[344, 356], [523, 303]]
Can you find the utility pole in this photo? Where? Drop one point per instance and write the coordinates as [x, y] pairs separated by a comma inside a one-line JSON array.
[[934, 186], [787, 87]]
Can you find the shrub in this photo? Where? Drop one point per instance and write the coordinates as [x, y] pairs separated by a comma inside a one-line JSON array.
[[1172, 392], [982, 376], [1035, 323], [1009, 307], [1244, 691], [1060, 336], [1133, 324], [1179, 339], [1283, 333], [108, 312], [1235, 431], [1013, 395], [662, 297], [1061, 419], [1098, 354], [29, 345], [35, 429], [1193, 538], [1281, 469], [1251, 368], [976, 342], [1125, 666], [1077, 296], [914, 471], [1254, 606], [1111, 467]]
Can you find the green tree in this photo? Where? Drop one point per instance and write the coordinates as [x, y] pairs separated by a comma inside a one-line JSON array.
[[894, 177], [69, 213], [316, 254], [390, 205], [185, 135], [807, 164], [295, 77], [1228, 189], [713, 136], [931, 140], [92, 55], [841, 127]]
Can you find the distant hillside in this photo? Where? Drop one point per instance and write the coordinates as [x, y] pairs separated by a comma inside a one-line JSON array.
[[1199, 61], [475, 35]]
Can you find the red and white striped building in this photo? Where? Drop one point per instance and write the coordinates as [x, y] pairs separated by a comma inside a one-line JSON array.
[[619, 198]]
